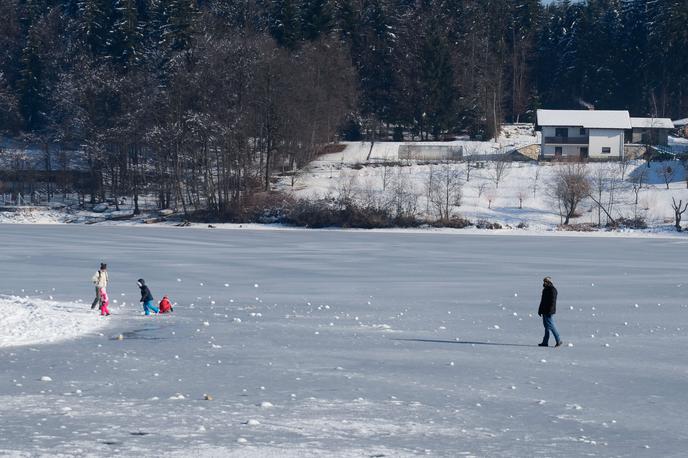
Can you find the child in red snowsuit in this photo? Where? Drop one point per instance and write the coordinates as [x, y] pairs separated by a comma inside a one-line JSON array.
[[104, 301], [165, 306]]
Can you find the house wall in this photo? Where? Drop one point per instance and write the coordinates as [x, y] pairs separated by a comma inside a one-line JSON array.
[[597, 139], [658, 136], [610, 138], [548, 150], [548, 131], [566, 150]]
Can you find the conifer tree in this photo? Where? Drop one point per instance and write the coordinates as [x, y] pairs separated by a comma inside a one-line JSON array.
[[95, 22], [284, 23], [316, 19], [126, 37], [179, 23], [31, 81]]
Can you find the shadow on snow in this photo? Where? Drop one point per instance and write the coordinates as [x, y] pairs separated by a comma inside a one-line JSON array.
[[467, 342]]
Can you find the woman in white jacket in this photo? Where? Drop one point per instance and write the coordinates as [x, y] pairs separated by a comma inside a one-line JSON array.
[[100, 280]]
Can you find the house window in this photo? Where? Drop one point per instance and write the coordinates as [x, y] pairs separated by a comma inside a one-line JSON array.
[[557, 151], [606, 150], [561, 132], [583, 131]]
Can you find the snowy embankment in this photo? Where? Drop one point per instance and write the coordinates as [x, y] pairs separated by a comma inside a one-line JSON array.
[[521, 196], [28, 321], [32, 216]]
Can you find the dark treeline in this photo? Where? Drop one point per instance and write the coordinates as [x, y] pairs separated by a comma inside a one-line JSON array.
[[198, 101]]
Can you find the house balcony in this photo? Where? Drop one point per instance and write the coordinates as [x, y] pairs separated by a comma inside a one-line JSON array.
[[567, 140]]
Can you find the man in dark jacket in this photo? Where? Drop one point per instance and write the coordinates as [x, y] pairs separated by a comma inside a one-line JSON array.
[[146, 298], [548, 307]]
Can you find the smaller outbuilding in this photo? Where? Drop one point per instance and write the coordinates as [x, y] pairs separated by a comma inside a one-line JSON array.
[[650, 131]]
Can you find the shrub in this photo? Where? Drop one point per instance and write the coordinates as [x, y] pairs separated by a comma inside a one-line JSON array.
[[630, 223], [485, 224], [456, 222], [582, 227], [328, 213]]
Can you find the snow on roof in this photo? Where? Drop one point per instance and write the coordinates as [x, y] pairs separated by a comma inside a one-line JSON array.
[[655, 123], [681, 122], [590, 119]]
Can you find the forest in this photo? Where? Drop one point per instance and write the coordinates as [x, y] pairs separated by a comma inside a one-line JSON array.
[[201, 102]]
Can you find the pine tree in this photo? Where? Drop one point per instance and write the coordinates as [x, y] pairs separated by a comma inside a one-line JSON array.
[[31, 81], [316, 19], [284, 23], [437, 83], [375, 62], [95, 23], [9, 116], [126, 36], [180, 16]]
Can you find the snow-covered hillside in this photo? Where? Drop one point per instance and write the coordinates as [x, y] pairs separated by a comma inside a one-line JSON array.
[[522, 196], [347, 344]]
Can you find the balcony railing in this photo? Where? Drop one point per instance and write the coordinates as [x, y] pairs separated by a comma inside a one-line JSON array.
[[567, 140]]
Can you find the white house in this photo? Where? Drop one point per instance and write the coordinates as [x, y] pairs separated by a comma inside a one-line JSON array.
[[583, 134], [594, 134]]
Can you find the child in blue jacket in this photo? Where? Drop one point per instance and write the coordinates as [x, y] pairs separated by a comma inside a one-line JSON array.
[[146, 298]]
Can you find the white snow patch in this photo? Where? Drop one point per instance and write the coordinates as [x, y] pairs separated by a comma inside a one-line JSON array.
[[28, 321]]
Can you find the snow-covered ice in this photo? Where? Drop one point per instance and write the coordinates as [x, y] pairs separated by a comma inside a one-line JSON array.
[[390, 378], [26, 320]]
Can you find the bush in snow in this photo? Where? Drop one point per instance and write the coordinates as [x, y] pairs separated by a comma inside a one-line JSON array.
[[484, 224], [637, 222]]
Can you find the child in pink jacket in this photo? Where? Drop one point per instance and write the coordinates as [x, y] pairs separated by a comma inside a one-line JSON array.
[[105, 301]]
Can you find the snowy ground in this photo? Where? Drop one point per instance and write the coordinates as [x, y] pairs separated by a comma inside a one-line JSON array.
[[523, 194], [334, 343], [26, 320]]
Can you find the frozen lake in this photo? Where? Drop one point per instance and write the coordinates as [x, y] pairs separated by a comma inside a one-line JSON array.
[[331, 343]]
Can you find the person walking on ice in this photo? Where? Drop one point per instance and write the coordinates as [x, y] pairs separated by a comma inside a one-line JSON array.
[[100, 280], [146, 298], [548, 307]]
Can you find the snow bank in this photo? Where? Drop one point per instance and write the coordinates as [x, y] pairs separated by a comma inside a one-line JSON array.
[[30, 216], [26, 320]]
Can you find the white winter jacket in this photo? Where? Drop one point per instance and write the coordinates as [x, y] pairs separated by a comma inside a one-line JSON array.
[[100, 279]]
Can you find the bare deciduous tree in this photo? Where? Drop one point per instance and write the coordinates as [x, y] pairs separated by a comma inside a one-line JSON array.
[[499, 168], [469, 159], [445, 190], [667, 172], [346, 189], [638, 179], [491, 195], [402, 198], [570, 186], [624, 163], [602, 187], [679, 210], [535, 179], [386, 172], [521, 194]]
